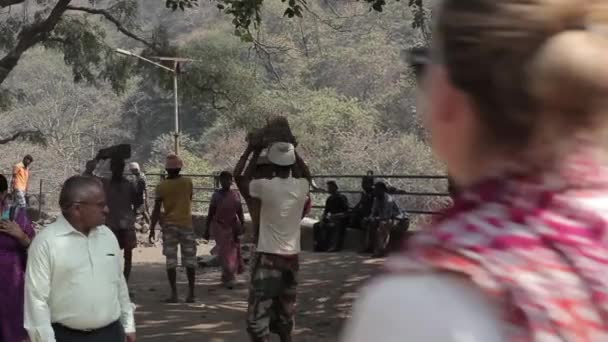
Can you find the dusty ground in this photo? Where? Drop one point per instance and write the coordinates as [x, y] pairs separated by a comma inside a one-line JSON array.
[[328, 284]]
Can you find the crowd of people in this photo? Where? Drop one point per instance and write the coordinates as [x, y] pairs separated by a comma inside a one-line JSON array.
[[377, 215], [75, 287], [515, 97]]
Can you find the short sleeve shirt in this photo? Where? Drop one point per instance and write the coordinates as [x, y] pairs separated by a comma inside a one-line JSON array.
[[22, 175], [176, 195], [283, 201]]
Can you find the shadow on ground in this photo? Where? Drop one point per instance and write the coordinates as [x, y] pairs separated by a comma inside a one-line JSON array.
[[328, 285]]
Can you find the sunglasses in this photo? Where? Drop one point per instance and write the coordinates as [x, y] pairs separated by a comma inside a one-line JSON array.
[[418, 59]]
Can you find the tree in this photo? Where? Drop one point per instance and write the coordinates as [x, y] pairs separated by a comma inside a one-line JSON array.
[[75, 120], [70, 27], [246, 13], [61, 25], [337, 73]]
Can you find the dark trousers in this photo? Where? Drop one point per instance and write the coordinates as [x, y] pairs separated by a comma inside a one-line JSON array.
[[111, 333], [329, 234]]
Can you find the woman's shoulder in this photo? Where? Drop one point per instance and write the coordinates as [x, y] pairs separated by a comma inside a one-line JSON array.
[[217, 194], [424, 307]]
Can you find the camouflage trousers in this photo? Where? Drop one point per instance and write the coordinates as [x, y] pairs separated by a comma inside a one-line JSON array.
[[184, 237], [272, 295]]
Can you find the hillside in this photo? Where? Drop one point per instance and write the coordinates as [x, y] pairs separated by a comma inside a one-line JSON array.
[[338, 73]]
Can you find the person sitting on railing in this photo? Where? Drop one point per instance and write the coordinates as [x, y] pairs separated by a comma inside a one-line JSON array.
[[329, 233], [364, 208], [386, 216]]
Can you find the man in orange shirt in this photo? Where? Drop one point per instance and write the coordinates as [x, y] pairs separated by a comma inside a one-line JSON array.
[[21, 176]]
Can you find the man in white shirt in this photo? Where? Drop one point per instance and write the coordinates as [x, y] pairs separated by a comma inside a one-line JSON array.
[[272, 293], [75, 290]]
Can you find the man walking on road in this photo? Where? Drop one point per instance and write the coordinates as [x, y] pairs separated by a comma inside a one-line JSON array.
[[20, 181], [273, 287], [74, 289], [121, 196], [174, 195]]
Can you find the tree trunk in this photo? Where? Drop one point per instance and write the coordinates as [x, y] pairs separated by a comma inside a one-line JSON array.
[[30, 36], [18, 135], [6, 3]]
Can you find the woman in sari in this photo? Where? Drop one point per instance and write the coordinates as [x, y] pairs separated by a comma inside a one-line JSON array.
[[225, 221], [15, 236]]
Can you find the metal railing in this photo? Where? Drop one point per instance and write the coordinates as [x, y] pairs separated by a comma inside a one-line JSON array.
[[417, 194], [205, 185]]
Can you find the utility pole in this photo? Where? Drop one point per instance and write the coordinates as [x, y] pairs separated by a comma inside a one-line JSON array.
[[176, 70]]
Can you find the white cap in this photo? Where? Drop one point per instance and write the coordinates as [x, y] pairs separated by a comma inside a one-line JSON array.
[[134, 166], [282, 154]]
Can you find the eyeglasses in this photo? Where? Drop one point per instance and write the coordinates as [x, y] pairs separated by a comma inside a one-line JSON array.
[[100, 205]]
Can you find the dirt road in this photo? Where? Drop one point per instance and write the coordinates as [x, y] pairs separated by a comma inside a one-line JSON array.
[[328, 284]]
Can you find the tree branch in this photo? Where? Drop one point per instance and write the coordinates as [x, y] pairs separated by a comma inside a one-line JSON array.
[[30, 36], [114, 21], [18, 135], [260, 50], [215, 94], [6, 3]]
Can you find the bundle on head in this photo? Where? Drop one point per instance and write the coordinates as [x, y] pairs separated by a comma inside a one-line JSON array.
[[122, 151], [276, 130]]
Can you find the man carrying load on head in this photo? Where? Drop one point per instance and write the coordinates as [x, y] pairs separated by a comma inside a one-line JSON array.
[[283, 198]]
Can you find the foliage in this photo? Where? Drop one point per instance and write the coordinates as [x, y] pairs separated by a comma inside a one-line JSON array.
[[247, 13], [164, 144], [74, 120], [338, 75], [218, 79]]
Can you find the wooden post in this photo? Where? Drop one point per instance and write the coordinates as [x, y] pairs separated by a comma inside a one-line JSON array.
[[216, 180], [40, 200]]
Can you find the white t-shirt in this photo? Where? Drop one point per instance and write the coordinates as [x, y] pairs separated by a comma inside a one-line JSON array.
[[424, 308], [283, 201]]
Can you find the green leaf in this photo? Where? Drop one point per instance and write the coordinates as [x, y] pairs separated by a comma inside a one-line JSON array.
[[247, 37]]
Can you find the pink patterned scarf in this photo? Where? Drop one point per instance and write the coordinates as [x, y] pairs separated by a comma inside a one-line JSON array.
[[539, 245]]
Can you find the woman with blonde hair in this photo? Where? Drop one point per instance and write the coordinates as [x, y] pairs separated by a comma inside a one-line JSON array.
[[517, 107]]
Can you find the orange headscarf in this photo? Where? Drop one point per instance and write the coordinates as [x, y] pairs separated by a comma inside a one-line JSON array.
[[173, 161]]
